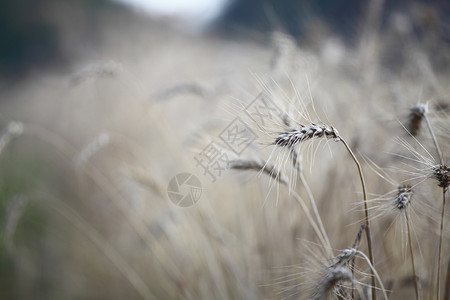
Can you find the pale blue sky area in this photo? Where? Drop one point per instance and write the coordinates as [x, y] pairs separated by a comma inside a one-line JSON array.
[[193, 13]]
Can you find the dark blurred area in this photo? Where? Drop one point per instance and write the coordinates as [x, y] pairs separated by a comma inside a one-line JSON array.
[[31, 30], [26, 34], [343, 17], [294, 17]]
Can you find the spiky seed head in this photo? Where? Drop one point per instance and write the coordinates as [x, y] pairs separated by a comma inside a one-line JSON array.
[[345, 257], [293, 137], [420, 109], [416, 115], [335, 276], [442, 174], [404, 196], [340, 274]]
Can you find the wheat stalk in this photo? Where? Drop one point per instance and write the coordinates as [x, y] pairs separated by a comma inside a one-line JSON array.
[[441, 174], [356, 246], [402, 201], [272, 171], [261, 166], [296, 162], [291, 138], [441, 229]]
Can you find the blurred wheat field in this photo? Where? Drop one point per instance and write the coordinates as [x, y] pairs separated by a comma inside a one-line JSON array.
[[87, 153]]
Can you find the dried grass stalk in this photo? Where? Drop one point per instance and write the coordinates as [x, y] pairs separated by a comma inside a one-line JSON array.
[[261, 166], [272, 171], [291, 138], [402, 201]]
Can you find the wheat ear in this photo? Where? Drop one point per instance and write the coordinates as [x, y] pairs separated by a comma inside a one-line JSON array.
[[416, 116], [294, 137], [331, 280]]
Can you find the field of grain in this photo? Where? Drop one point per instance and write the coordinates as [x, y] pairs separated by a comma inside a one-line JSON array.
[[273, 129]]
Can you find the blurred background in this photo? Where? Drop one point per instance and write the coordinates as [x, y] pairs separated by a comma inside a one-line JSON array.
[[102, 102], [45, 33]]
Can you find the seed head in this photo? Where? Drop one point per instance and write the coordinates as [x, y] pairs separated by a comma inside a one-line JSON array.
[[305, 132], [442, 174], [345, 257], [404, 196], [416, 115], [331, 280]]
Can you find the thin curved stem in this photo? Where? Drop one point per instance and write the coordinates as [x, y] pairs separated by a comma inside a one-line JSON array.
[[297, 166], [316, 212], [310, 218], [438, 286], [356, 246], [416, 278], [441, 161], [366, 212], [372, 268]]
